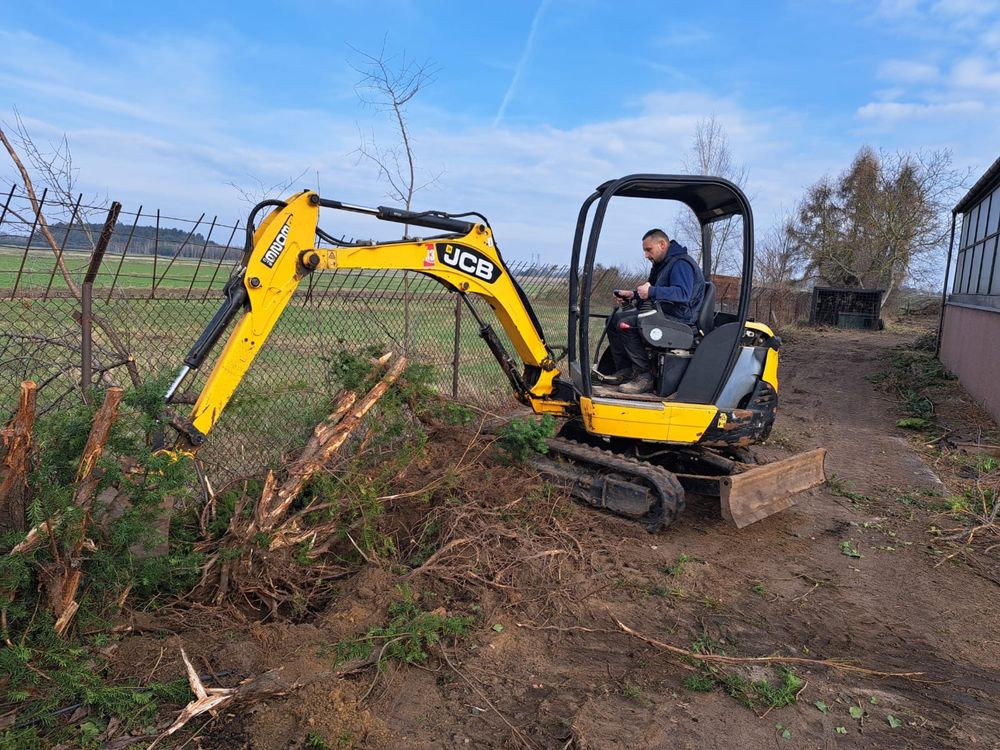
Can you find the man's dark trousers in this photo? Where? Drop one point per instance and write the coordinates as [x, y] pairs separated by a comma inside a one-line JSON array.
[[627, 347]]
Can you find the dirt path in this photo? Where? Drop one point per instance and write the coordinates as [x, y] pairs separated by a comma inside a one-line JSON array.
[[549, 668]]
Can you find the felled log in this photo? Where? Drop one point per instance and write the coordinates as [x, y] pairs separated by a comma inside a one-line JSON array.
[[64, 582], [326, 439], [270, 517], [17, 442]]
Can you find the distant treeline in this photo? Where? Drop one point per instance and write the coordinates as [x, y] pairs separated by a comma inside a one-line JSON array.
[[142, 240]]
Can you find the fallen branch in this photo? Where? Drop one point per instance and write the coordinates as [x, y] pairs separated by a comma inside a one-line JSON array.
[[264, 573], [206, 699], [719, 658], [326, 440]]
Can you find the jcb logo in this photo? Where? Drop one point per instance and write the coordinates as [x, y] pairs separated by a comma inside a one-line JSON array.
[[272, 252], [468, 260]]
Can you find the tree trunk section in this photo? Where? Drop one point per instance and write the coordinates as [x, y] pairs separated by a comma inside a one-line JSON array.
[[17, 439]]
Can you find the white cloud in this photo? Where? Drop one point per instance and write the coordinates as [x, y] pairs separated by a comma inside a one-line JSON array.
[[977, 74], [166, 125], [891, 113], [908, 71]]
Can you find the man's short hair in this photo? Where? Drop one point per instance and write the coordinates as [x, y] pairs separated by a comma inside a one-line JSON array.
[[656, 234]]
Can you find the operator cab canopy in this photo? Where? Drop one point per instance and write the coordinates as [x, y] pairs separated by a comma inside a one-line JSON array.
[[710, 201]]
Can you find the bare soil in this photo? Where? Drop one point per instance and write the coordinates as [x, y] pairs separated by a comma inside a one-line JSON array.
[[548, 665]]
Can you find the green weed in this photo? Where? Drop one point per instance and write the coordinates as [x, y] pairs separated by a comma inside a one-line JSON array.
[[910, 375], [454, 413], [849, 548], [522, 438], [753, 694], [631, 691], [678, 566], [314, 741], [842, 487], [407, 635]]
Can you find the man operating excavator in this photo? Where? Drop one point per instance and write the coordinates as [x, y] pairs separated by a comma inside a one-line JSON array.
[[676, 286]]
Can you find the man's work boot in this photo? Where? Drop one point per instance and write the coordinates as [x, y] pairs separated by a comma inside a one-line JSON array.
[[617, 378], [641, 383]]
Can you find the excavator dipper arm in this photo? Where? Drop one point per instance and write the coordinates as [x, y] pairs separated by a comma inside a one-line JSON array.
[[281, 252]]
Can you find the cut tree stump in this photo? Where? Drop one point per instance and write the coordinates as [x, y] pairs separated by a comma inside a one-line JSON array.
[[17, 439], [65, 579]]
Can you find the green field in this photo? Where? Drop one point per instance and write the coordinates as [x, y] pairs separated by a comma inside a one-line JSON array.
[[291, 382], [145, 273], [131, 272]]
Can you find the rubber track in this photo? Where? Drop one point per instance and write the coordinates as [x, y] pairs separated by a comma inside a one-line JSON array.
[[669, 501]]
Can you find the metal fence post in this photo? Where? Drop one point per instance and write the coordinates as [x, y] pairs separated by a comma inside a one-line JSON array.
[[457, 350], [87, 298]]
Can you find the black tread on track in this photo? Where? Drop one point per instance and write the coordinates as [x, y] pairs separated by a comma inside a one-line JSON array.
[[625, 486]]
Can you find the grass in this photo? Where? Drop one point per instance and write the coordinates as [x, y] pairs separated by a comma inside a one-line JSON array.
[[842, 487], [288, 386], [757, 695], [912, 375], [678, 567], [36, 269]]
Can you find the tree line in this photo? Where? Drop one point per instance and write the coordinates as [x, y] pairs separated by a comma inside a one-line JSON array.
[[881, 223], [140, 240]]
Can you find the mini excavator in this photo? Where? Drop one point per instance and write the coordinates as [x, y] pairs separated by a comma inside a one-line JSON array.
[[716, 383]]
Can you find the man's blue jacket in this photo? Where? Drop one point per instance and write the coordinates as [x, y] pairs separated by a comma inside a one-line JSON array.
[[677, 284]]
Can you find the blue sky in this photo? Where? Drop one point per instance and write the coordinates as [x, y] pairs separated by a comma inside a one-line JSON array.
[[533, 103]]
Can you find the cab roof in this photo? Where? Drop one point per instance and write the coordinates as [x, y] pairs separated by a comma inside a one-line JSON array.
[[710, 198]]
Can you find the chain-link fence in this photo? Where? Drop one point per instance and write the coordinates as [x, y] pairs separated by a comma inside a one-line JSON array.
[[106, 296]]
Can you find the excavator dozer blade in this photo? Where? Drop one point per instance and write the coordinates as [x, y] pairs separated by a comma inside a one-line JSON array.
[[765, 490]]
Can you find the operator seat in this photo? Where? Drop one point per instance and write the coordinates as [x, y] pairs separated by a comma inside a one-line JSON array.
[[673, 343], [670, 342], [661, 332], [706, 315]]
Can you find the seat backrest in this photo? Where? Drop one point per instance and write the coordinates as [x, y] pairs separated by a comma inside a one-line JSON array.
[[706, 315]]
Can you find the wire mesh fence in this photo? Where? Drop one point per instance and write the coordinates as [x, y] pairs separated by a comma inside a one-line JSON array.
[[145, 293]]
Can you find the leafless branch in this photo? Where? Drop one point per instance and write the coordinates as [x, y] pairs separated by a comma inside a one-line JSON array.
[[387, 84], [42, 223], [711, 155], [254, 194]]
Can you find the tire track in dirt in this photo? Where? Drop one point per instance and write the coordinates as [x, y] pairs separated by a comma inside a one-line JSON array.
[[827, 396], [891, 611]]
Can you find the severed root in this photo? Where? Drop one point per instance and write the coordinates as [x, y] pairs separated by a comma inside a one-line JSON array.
[[830, 663], [270, 683], [206, 699]]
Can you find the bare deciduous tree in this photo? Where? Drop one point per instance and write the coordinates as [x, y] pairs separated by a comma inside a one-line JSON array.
[[36, 206], [877, 222], [387, 86], [710, 155], [63, 177], [778, 260], [53, 166]]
